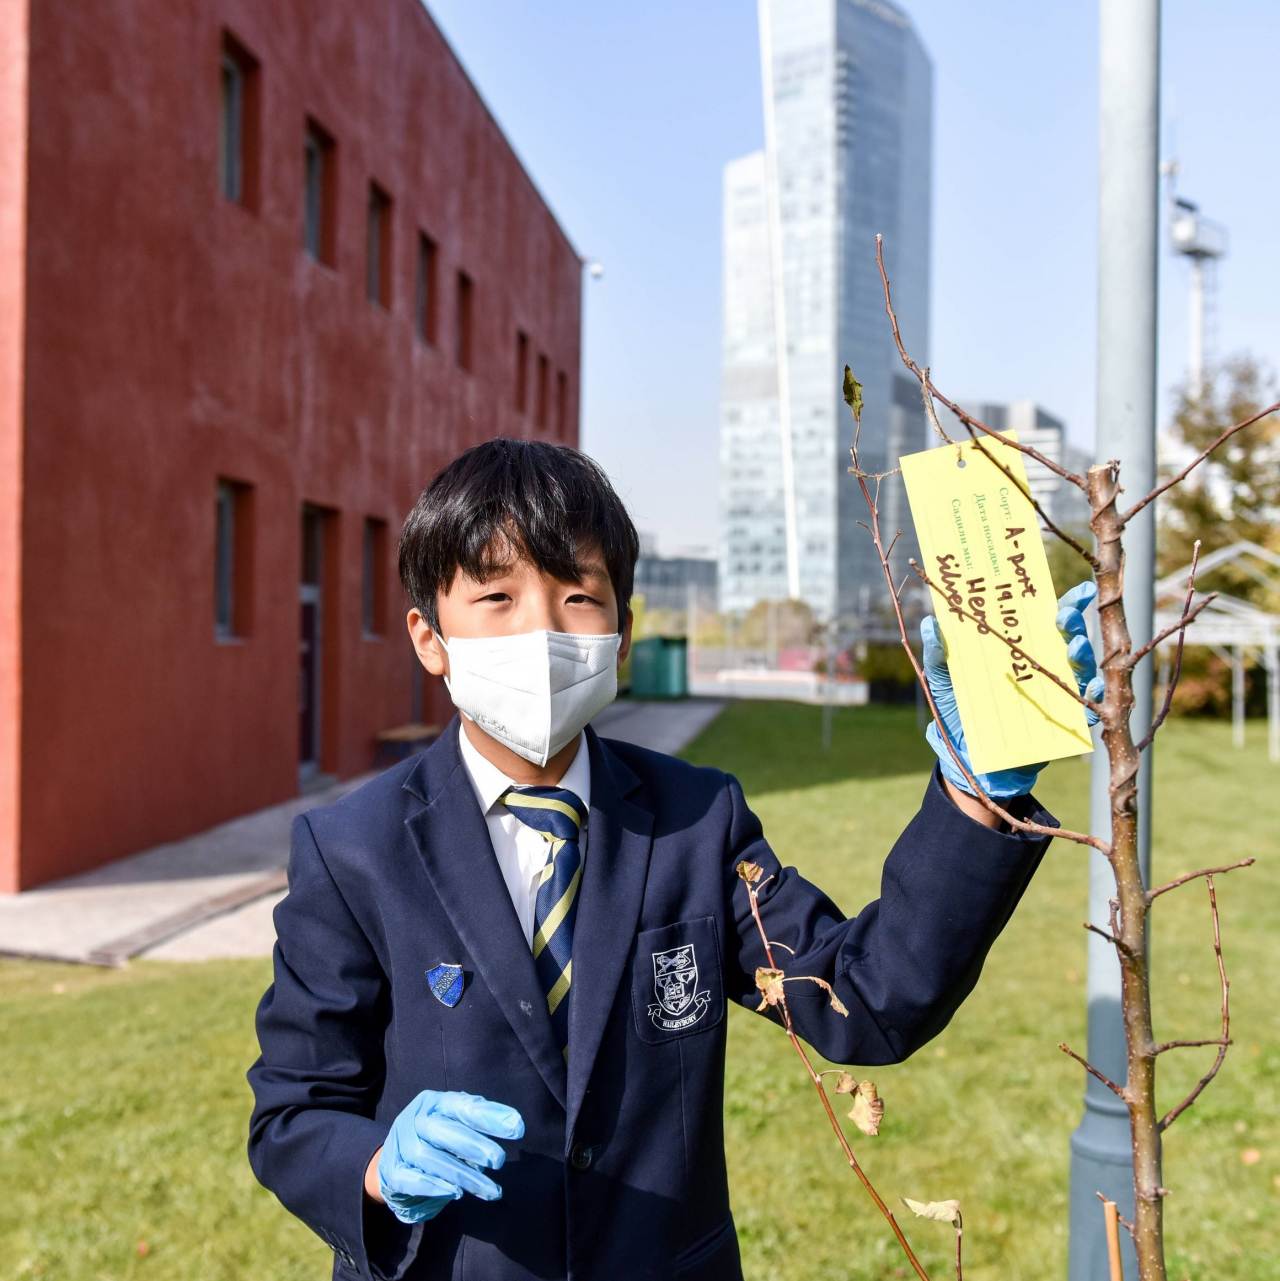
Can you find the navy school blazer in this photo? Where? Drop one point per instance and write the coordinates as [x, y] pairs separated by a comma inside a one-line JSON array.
[[621, 1172]]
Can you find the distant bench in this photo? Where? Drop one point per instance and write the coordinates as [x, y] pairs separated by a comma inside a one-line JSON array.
[[393, 745]]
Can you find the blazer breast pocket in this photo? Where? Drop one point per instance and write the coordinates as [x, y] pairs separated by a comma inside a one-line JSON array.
[[676, 986]]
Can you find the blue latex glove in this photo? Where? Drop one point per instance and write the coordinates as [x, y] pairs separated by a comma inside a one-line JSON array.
[[1005, 783], [436, 1150], [1070, 622]]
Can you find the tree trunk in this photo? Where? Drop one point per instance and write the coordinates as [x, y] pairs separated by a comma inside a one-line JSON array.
[[1131, 903]]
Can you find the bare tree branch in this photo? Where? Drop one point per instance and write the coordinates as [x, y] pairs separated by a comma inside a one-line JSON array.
[[1177, 664], [1154, 894], [753, 894], [1224, 1041], [1113, 939], [1189, 1045], [1050, 527], [927, 385], [1093, 1071], [1196, 461], [1125, 1222], [1181, 625], [1110, 656]]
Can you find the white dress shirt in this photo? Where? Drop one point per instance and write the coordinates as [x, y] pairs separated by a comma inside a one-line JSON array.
[[521, 850]]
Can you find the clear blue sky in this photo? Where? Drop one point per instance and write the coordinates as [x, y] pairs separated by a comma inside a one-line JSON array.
[[625, 114]]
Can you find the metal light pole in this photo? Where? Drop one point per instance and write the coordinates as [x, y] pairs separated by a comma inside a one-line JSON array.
[[1128, 234]]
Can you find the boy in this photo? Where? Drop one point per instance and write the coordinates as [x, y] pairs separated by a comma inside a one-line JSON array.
[[515, 951]]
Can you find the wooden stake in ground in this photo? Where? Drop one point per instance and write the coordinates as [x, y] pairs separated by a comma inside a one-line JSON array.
[[1112, 1215]]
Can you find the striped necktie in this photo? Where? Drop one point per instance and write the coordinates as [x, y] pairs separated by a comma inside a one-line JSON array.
[[558, 814]]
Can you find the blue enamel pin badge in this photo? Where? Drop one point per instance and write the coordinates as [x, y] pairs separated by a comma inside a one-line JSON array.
[[445, 982]]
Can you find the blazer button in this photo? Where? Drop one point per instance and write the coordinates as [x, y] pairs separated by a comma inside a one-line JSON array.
[[580, 1157]]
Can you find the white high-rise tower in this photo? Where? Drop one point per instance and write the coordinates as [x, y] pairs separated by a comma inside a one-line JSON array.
[[848, 130]]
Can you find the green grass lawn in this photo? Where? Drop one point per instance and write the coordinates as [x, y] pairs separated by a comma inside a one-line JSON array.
[[123, 1103]]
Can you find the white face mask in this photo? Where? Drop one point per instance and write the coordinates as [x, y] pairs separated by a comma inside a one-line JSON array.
[[536, 691]]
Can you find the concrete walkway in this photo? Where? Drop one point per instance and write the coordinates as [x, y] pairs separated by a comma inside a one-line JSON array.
[[132, 906], [212, 894], [661, 727]]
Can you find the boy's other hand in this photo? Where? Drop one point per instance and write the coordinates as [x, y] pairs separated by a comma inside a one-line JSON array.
[[1004, 784], [435, 1151]]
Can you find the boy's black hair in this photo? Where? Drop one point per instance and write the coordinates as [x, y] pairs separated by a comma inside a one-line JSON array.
[[545, 503]]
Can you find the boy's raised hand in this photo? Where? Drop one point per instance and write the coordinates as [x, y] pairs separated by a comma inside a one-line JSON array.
[[1084, 664], [1004, 784], [436, 1149]]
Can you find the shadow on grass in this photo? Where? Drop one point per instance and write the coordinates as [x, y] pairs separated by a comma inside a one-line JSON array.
[[777, 747]]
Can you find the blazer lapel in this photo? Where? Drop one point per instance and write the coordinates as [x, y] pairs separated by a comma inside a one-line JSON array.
[[454, 844], [619, 838]]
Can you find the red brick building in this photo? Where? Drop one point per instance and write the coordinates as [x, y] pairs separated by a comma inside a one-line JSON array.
[[264, 269]]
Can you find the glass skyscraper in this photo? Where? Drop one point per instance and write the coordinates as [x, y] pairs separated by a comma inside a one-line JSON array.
[[850, 88]]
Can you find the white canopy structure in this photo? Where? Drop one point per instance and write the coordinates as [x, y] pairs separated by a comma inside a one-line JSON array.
[[1234, 629]]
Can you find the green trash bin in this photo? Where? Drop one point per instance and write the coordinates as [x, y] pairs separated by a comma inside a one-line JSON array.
[[659, 667]]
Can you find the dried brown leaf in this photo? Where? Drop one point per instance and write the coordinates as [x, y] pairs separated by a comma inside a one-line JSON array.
[[770, 984], [750, 872], [938, 1211], [868, 1109], [846, 1083], [836, 1003]]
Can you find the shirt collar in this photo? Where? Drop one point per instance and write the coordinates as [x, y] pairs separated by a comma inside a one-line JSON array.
[[489, 782]]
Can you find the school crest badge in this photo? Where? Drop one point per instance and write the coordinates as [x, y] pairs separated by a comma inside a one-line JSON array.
[[675, 983], [446, 983]]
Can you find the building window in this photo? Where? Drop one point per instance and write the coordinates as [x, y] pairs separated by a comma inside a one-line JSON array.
[[522, 372], [544, 378], [319, 197], [562, 403], [464, 318], [378, 265], [232, 560], [425, 301], [238, 124], [374, 594]]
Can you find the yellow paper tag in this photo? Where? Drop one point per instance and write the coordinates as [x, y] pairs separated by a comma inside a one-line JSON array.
[[980, 544]]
